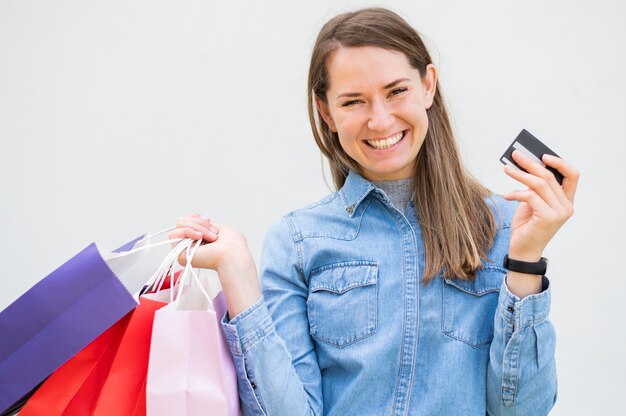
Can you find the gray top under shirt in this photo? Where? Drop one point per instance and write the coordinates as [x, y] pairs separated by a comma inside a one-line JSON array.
[[399, 192]]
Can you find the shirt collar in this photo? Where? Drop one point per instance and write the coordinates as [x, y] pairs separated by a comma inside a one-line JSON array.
[[354, 190]]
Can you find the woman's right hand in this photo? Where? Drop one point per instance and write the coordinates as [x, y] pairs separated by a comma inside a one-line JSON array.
[[225, 250], [214, 251]]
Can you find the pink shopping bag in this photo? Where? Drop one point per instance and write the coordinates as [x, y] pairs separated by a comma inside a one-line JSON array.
[[191, 371]]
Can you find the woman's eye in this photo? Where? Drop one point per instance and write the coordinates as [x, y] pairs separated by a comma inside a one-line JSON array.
[[349, 103], [397, 91]]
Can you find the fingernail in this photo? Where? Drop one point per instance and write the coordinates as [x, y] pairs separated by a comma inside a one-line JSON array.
[[204, 218], [213, 230]]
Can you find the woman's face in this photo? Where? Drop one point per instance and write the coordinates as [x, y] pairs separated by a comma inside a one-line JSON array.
[[377, 105]]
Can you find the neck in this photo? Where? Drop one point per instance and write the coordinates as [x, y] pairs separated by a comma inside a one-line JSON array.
[[399, 192]]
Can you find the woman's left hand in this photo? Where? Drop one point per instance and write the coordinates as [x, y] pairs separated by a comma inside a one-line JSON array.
[[544, 206]]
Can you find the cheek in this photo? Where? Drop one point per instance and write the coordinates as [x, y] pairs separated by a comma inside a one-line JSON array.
[[415, 113], [346, 143], [350, 125], [347, 127], [349, 142]]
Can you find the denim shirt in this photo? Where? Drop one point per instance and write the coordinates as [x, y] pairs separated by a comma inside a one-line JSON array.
[[346, 327]]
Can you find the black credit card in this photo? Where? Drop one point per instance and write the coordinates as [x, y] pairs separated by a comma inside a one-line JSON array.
[[534, 149]]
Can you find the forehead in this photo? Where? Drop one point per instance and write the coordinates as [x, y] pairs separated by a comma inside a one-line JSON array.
[[367, 66]]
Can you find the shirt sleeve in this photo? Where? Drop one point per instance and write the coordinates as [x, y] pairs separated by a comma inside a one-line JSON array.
[[521, 378], [274, 355]]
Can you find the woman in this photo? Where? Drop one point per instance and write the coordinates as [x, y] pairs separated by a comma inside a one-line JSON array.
[[389, 295]]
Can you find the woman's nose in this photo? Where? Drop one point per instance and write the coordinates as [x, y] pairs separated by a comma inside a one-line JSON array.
[[381, 118]]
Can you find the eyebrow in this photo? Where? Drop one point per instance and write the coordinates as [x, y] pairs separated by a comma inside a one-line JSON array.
[[386, 87]]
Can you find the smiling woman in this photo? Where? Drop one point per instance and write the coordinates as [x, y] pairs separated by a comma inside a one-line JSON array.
[[369, 86], [389, 296], [382, 125]]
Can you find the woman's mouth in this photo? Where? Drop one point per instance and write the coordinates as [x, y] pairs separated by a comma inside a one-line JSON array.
[[388, 142]]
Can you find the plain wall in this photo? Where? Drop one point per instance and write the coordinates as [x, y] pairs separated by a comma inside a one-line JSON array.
[[117, 117]]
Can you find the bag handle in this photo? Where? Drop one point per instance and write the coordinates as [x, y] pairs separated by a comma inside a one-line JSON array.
[[148, 246], [190, 273], [168, 266], [158, 233]]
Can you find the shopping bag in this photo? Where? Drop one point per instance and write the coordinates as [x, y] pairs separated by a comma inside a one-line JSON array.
[[17, 406], [123, 391], [191, 371], [74, 388], [63, 313], [108, 377]]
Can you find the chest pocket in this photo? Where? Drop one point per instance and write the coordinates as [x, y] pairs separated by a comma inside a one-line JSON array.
[[342, 302], [468, 307]]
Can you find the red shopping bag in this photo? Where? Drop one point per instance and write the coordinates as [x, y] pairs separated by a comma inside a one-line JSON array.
[[108, 377], [125, 386], [75, 386]]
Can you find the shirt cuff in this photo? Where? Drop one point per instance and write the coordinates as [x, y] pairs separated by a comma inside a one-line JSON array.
[[247, 328], [532, 310]]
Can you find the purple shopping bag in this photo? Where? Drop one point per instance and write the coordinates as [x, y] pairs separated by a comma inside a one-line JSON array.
[[58, 317]]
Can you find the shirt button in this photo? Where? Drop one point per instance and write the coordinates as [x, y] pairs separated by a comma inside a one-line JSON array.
[[253, 384], [510, 309]]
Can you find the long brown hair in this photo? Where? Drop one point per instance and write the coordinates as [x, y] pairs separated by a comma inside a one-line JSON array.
[[458, 226]]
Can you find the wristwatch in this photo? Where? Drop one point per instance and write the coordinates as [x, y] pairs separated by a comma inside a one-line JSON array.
[[539, 267]]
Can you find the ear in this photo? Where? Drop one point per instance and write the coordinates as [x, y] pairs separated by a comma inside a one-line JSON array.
[[429, 84], [322, 107]]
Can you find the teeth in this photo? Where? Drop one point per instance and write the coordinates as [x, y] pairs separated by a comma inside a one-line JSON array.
[[385, 143]]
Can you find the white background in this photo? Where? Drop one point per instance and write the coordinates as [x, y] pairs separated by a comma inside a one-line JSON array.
[[117, 117]]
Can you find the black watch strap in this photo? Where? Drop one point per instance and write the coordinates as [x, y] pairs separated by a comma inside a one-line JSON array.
[[519, 266]]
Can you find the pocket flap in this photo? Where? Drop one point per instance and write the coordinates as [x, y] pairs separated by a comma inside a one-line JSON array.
[[488, 279], [340, 277]]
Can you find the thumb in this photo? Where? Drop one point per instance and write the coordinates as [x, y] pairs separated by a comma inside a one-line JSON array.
[[206, 257]]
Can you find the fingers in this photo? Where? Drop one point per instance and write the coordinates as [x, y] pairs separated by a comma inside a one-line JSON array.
[[199, 231], [538, 178], [569, 172], [542, 181], [196, 227], [201, 221], [189, 232], [536, 203]]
